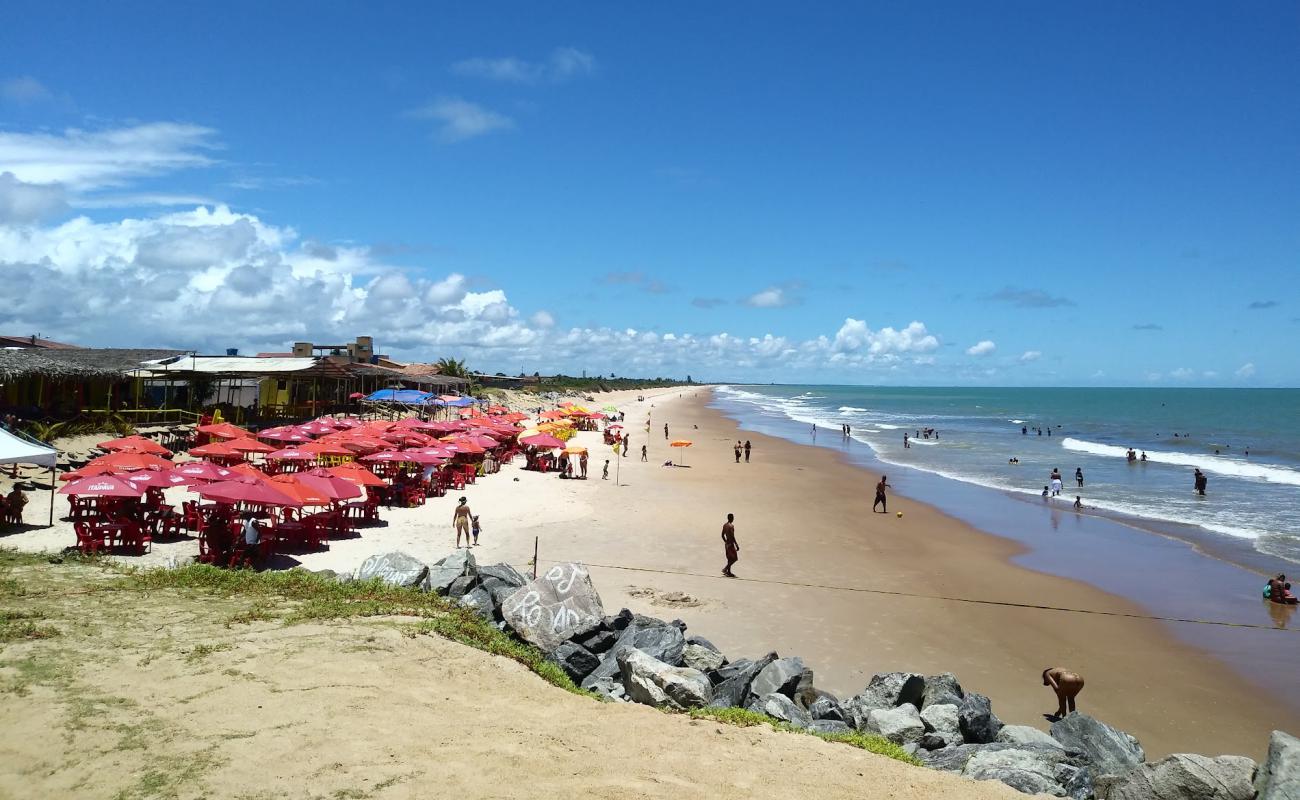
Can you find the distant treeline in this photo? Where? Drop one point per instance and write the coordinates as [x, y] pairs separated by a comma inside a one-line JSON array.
[[564, 383]]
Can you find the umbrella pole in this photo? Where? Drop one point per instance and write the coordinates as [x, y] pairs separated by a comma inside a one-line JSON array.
[[52, 469]]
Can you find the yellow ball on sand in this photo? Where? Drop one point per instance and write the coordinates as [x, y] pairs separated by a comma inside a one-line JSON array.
[[900, 513]]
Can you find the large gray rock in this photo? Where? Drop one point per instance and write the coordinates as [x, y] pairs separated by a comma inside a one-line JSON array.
[[650, 681], [1023, 734], [932, 741], [702, 658], [504, 573], [577, 661], [978, 723], [826, 707], [1023, 770], [886, 690], [943, 689], [827, 727], [658, 639], [462, 560], [1279, 776], [609, 688], [448, 571], [598, 641], [498, 589], [558, 606], [782, 708], [480, 602], [901, 725], [1109, 750], [462, 586], [733, 688], [705, 643], [787, 676], [1183, 777], [941, 720], [394, 569]]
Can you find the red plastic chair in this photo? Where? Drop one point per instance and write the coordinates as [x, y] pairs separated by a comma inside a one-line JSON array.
[[88, 541]]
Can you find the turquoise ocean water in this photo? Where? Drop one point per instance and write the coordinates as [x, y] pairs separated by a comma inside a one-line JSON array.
[[1246, 441]]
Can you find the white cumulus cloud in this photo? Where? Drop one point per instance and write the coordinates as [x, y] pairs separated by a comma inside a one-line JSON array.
[[1031, 355], [564, 63], [1246, 370], [981, 348], [460, 119], [774, 297]]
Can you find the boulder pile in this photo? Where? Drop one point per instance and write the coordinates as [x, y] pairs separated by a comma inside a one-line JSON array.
[[632, 658]]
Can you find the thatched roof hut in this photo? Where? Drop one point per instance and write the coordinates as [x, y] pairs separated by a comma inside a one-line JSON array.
[[75, 364]]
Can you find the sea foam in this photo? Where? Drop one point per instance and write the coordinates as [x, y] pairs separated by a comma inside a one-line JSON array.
[[1215, 464]]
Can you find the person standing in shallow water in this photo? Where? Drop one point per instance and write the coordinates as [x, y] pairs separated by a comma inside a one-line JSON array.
[[1067, 686], [1078, 475], [730, 545]]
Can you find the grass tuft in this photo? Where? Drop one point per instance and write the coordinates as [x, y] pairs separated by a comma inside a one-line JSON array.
[[744, 718]]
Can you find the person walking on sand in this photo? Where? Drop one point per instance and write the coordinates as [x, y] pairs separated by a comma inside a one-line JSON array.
[[737, 449], [665, 430], [1067, 686], [460, 520], [604, 475], [730, 545], [746, 451], [643, 454], [880, 496], [582, 464]]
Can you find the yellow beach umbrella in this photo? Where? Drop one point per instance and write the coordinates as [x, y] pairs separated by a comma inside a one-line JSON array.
[[576, 450]]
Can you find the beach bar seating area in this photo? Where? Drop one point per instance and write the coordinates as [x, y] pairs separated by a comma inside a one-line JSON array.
[[248, 495]]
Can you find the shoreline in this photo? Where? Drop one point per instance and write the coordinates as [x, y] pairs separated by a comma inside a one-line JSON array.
[[657, 537], [1246, 633]]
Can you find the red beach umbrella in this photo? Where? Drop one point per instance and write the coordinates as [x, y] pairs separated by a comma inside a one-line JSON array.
[[284, 433], [542, 440], [218, 449], [158, 479], [224, 430], [88, 471], [248, 490], [291, 454], [356, 473], [126, 460], [103, 486], [247, 445], [203, 471], [246, 470], [405, 456], [322, 448], [331, 485], [137, 444]]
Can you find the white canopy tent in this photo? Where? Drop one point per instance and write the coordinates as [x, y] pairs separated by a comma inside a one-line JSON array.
[[19, 450], [16, 450]]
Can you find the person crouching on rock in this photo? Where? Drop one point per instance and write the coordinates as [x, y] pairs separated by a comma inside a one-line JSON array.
[[1067, 686]]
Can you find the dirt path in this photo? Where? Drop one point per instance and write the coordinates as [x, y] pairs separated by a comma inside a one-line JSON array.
[[184, 694]]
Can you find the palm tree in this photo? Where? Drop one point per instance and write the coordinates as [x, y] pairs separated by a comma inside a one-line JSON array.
[[453, 368]]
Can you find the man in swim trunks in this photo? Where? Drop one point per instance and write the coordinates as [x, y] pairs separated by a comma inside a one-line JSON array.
[[730, 545], [880, 496], [1067, 686]]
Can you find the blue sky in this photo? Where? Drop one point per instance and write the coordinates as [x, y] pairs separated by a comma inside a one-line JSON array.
[[885, 193]]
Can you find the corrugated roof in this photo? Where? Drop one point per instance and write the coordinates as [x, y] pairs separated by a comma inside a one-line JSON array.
[[233, 365]]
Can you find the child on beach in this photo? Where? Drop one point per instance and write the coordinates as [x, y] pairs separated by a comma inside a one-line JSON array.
[[475, 528], [604, 475]]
